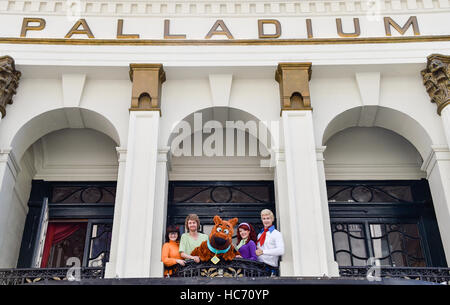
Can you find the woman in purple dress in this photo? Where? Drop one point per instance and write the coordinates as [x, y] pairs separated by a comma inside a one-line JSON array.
[[246, 238]]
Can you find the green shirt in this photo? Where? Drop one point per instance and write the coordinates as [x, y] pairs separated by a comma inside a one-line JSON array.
[[188, 244]]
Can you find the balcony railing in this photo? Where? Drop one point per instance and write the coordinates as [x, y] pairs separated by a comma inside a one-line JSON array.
[[238, 267], [428, 274], [35, 275]]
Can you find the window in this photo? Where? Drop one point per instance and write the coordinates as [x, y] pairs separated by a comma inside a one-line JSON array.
[[392, 221], [78, 223], [228, 199]]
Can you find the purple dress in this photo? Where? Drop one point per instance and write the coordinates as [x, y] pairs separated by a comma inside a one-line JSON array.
[[248, 250]]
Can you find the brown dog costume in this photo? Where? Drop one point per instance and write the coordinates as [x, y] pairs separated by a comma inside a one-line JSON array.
[[219, 241]]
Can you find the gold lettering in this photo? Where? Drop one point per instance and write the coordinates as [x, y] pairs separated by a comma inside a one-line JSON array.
[[388, 22], [262, 22], [27, 27], [76, 29], [121, 35], [309, 29], [167, 34], [214, 30], [341, 33]]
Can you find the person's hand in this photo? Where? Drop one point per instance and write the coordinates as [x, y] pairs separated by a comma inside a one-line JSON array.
[[259, 251], [181, 262], [238, 256], [196, 259]]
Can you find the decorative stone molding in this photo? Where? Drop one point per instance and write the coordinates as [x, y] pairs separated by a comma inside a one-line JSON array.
[[147, 82], [9, 81], [218, 7], [436, 78], [294, 85]]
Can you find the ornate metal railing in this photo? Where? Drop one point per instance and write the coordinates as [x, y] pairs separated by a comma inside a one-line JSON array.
[[35, 275], [429, 274], [238, 267]]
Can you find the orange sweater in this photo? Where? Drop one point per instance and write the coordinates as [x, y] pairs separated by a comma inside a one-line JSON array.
[[170, 254]]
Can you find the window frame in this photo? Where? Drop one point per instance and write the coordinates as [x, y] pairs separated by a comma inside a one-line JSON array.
[[420, 211]]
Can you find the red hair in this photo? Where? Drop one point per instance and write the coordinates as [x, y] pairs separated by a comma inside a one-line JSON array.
[[248, 227]]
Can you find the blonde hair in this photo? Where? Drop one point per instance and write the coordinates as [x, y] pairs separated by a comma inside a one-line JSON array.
[[268, 212], [192, 217]]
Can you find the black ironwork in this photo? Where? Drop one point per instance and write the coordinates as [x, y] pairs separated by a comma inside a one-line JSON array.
[[238, 267], [228, 199], [44, 275], [403, 226], [428, 274]]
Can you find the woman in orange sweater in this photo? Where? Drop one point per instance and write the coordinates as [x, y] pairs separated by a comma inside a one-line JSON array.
[[170, 255]]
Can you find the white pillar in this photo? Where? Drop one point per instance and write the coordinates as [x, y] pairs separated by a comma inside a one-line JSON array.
[[445, 115], [9, 170], [281, 196], [160, 212], [304, 199], [134, 236], [110, 268], [437, 166], [333, 267]]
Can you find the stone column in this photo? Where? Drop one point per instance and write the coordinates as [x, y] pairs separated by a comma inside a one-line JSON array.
[[436, 78], [307, 228], [9, 80], [110, 268], [135, 237], [160, 208], [9, 170]]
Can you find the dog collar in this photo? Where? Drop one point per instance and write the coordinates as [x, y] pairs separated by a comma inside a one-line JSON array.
[[215, 250]]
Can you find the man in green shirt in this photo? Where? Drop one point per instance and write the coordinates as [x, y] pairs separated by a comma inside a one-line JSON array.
[[192, 239]]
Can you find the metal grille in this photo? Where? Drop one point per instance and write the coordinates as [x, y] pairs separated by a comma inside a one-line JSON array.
[[236, 268], [429, 274], [43, 275]]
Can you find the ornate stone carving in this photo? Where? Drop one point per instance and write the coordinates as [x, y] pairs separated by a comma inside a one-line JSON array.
[[294, 85], [147, 82], [9, 80], [436, 78]]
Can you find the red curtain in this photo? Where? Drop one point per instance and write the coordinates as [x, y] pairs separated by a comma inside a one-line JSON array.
[[57, 232]]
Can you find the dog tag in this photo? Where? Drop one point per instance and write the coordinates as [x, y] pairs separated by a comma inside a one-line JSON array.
[[215, 259]]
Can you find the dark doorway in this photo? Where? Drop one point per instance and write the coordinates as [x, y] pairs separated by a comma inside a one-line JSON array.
[[228, 199]]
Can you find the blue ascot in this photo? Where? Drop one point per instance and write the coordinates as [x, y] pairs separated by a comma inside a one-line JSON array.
[[212, 249]]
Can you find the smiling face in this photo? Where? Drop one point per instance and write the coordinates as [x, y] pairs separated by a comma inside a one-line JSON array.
[[267, 220], [192, 225], [173, 236], [244, 233], [222, 232]]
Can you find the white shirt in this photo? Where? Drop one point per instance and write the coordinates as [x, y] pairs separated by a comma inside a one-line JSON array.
[[273, 247]]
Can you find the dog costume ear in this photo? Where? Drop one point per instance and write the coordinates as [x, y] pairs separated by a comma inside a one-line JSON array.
[[217, 220], [233, 221]]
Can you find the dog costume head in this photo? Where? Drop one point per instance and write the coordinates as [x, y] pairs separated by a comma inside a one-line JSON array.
[[222, 233], [219, 242]]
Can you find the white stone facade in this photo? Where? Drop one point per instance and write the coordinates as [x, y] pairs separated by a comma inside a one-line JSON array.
[[70, 121]]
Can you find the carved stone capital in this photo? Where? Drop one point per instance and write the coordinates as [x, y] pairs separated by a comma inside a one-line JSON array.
[[147, 82], [294, 85], [9, 81], [436, 78]]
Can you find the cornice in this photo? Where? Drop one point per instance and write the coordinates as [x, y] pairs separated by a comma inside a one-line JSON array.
[[191, 8]]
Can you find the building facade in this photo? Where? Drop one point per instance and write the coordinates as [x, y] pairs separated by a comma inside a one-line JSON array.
[[120, 117]]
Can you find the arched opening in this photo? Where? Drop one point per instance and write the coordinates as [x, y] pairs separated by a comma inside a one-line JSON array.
[[379, 200], [220, 166], [63, 194]]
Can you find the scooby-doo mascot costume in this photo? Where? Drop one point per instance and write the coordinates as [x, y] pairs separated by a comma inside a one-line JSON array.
[[218, 246]]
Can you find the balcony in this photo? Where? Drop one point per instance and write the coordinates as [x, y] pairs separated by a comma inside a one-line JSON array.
[[239, 270], [45, 275]]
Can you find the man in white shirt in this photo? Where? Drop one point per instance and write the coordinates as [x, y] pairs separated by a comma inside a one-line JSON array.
[[270, 244]]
